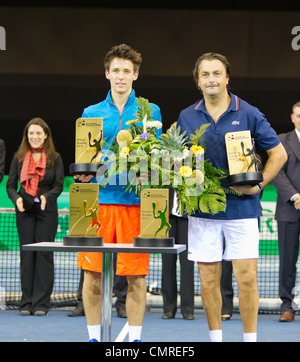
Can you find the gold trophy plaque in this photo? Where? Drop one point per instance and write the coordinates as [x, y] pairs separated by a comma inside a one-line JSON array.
[[88, 146], [242, 160], [154, 219], [84, 222]]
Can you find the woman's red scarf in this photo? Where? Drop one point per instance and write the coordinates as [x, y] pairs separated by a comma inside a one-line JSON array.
[[32, 173]]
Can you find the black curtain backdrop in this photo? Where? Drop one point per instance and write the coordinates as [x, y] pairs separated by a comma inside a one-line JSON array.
[[52, 66]]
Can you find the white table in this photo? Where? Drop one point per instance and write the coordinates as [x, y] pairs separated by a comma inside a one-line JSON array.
[[107, 269]]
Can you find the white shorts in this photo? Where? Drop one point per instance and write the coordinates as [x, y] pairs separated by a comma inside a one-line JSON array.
[[213, 240]]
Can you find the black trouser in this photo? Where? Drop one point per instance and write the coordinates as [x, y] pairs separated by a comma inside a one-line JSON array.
[[179, 231], [37, 268], [288, 242], [226, 287]]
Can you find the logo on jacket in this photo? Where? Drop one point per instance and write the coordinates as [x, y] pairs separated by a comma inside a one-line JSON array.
[[235, 123]]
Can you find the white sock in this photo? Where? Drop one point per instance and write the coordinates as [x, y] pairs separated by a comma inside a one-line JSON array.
[[94, 332], [216, 335], [134, 332], [250, 337]]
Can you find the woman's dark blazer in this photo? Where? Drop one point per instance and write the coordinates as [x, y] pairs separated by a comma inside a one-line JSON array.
[[51, 186]]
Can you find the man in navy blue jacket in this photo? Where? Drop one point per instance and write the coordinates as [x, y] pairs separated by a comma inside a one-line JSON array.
[[238, 224]]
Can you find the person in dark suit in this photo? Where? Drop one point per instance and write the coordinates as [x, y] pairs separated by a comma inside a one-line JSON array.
[[39, 170], [179, 230], [2, 159], [287, 215]]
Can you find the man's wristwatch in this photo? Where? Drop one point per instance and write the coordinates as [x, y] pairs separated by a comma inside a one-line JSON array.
[[259, 187]]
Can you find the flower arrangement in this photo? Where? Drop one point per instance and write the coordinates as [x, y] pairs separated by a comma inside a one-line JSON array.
[[167, 161]]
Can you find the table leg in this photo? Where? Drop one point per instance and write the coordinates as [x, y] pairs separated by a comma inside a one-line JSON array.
[[106, 296]]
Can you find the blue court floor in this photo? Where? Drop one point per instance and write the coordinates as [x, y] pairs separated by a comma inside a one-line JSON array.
[[58, 327]]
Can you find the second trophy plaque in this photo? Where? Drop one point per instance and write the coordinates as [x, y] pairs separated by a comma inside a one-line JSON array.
[[242, 160], [154, 219], [84, 216]]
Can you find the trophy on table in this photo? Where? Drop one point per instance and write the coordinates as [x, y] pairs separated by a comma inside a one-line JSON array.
[[242, 160], [154, 219], [84, 197]]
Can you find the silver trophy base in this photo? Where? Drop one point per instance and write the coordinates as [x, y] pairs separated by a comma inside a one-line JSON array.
[[154, 242], [245, 178], [83, 241]]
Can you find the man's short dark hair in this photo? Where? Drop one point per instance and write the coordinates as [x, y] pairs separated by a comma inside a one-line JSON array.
[[210, 56], [123, 51]]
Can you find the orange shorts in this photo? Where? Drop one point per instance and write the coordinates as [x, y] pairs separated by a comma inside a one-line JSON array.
[[120, 224]]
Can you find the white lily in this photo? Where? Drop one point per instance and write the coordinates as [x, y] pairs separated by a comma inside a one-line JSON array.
[[154, 124], [145, 124]]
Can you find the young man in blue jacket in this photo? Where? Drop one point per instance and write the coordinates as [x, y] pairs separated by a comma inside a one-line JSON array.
[[119, 211]]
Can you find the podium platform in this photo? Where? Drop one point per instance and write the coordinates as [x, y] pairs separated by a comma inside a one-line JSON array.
[[107, 251]]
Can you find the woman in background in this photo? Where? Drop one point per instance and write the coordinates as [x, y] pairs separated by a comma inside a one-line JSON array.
[[38, 168]]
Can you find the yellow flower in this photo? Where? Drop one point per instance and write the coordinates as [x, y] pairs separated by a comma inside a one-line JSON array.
[[197, 150], [124, 152], [185, 171], [198, 176], [133, 121], [164, 135]]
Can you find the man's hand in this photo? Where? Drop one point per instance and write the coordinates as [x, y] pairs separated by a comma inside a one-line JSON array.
[[297, 203], [246, 189], [83, 178], [143, 178]]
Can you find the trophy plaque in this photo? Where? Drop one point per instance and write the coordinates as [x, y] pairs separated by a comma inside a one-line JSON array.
[[154, 219], [242, 160], [88, 146], [84, 216]]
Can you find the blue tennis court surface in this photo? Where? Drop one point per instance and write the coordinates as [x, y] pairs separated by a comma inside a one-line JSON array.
[[58, 327]]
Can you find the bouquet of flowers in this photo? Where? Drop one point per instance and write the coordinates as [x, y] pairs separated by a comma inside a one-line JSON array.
[[167, 161]]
